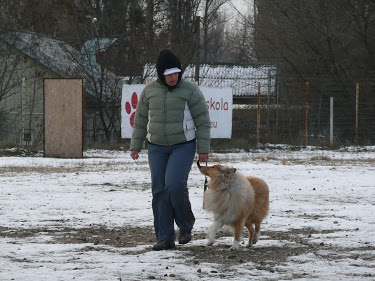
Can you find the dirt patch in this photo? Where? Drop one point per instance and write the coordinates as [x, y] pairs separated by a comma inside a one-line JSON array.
[[117, 237], [297, 242], [81, 167], [16, 170]]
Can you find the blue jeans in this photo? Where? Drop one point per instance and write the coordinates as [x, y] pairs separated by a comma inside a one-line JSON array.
[[170, 167]]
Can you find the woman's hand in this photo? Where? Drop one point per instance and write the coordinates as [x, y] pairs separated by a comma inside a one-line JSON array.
[[203, 157], [134, 154]]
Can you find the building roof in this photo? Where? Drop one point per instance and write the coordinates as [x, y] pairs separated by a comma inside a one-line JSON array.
[[243, 80], [59, 57]]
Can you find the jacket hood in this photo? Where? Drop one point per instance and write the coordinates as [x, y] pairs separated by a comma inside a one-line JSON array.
[[167, 59]]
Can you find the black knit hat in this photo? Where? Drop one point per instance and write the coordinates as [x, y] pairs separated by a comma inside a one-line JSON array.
[[167, 59]]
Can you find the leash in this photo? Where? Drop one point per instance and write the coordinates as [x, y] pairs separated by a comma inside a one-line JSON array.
[[205, 182]]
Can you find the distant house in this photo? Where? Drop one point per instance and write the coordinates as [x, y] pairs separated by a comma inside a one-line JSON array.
[[26, 59], [244, 80]]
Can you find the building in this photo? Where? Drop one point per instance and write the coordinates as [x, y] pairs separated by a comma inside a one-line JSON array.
[[26, 59], [244, 80]]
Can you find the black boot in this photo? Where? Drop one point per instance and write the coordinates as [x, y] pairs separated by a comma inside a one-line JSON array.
[[164, 245], [184, 237]]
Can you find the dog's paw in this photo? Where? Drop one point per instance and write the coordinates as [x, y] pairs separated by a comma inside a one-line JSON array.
[[249, 245], [235, 246], [255, 238], [210, 242]]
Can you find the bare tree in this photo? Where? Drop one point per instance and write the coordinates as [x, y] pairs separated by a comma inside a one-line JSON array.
[[176, 28], [134, 32], [20, 87], [327, 43], [213, 26], [323, 35], [242, 39], [10, 84]]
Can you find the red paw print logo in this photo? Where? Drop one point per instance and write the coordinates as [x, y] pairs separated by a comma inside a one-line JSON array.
[[133, 105]]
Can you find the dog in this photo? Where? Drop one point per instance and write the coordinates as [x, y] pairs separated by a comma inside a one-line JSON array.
[[235, 200]]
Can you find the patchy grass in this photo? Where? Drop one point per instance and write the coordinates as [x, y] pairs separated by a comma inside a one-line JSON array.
[[20, 152]]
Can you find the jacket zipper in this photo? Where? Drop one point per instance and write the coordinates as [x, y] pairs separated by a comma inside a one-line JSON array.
[[165, 117]]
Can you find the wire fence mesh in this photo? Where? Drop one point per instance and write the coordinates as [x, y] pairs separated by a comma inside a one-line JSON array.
[[307, 118], [300, 115]]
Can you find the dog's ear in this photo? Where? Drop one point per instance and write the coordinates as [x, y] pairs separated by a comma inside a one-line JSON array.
[[232, 171], [219, 167], [229, 171]]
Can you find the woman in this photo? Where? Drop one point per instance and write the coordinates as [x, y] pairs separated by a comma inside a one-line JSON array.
[[173, 116]]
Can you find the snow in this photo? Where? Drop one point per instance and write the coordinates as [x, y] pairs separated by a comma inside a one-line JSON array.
[[329, 194]]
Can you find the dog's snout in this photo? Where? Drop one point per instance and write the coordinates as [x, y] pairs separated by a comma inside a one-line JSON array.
[[199, 165]]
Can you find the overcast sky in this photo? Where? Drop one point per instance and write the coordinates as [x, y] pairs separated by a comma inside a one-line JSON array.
[[234, 7], [241, 5]]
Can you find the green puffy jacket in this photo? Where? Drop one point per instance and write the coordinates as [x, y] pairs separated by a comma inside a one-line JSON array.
[[171, 117]]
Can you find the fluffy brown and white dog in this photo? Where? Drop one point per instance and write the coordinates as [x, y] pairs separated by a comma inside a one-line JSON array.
[[235, 200]]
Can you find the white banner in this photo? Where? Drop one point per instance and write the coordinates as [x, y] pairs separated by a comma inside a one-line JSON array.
[[129, 101], [219, 103]]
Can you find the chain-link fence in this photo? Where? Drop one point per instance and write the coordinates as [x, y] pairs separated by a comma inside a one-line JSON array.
[[307, 117], [301, 115]]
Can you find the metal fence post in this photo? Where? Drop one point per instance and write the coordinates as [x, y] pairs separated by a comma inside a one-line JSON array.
[[268, 98], [331, 121], [197, 48], [277, 90], [356, 112], [22, 111], [307, 114], [258, 116]]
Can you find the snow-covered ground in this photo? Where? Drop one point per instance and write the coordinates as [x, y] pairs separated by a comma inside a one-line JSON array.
[[322, 217]]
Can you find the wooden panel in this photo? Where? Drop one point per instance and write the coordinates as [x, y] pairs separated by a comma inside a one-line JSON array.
[[63, 117]]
